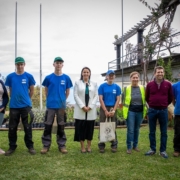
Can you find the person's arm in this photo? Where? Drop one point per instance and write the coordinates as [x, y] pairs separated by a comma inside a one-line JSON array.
[[170, 95], [103, 105], [67, 92], [31, 90], [77, 99], [115, 106], [95, 98], [46, 91]]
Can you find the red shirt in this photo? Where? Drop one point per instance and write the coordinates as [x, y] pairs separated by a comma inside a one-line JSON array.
[[159, 96]]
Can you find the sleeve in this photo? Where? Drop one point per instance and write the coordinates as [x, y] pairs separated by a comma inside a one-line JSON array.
[[69, 83], [5, 96], [31, 81], [118, 90], [147, 93], [45, 82], [8, 81], [100, 90], [170, 95], [95, 98], [76, 96], [174, 90]]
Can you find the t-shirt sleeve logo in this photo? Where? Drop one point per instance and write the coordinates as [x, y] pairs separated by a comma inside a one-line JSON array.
[[23, 81], [62, 82]]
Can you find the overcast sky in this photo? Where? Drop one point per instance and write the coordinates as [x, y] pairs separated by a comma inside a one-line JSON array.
[[80, 31]]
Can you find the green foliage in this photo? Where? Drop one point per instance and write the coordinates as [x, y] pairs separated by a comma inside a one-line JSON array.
[[38, 115], [36, 97], [119, 114], [167, 68], [70, 113], [90, 166]]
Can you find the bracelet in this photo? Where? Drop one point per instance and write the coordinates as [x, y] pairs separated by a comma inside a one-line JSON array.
[[113, 111]]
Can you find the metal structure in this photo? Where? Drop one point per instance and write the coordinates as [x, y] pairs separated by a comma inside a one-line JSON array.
[[169, 12]]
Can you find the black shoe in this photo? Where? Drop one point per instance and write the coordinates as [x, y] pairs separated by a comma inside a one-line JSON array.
[[32, 151], [9, 152]]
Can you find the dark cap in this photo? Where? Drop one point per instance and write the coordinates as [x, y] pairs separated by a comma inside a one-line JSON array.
[[19, 60], [58, 59], [110, 72]]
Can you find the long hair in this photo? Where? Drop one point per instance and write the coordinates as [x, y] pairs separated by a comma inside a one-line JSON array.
[[81, 77]]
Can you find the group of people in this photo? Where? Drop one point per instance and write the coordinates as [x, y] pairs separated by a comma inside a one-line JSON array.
[[138, 102]]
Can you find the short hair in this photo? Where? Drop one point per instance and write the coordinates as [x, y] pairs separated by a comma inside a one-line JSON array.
[[158, 67], [133, 73]]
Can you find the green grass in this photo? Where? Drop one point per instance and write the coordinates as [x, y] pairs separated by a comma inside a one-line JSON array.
[[95, 166]]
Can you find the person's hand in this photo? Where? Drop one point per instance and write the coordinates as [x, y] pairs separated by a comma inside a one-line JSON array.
[[112, 113], [107, 113], [1, 109], [88, 108], [85, 109]]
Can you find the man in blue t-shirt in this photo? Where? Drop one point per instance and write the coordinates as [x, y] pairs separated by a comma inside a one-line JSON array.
[[57, 89], [21, 86], [176, 102], [109, 97]]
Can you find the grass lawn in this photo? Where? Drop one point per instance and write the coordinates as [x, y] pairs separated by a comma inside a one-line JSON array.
[[90, 166]]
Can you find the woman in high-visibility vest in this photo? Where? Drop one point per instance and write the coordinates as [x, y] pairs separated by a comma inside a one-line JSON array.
[[134, 110]]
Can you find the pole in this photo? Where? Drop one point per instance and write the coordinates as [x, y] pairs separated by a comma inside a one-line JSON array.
[[122, 45], [16, 30], [40, 66]]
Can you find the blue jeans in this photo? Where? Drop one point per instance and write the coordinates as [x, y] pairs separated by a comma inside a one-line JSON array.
[[162, 116], [134, 120]]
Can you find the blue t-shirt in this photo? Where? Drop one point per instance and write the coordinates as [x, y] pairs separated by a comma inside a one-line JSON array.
[[109, 93], [176, 92], [57, 86], [20, 85]]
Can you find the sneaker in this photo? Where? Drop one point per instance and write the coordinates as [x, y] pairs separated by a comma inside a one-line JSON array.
[[1, 151], [114, 150], [44, 150], [63, 150], [101, 150], [9, 152], [164, 154], [176, 154], [32, 151], [150, 152], [129, 151]]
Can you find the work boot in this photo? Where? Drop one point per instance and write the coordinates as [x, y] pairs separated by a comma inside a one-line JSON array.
[[44, 150], [63, 150], [9, 152], [32, 151]]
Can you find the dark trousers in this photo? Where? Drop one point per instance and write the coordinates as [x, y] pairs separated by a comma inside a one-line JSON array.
[[26, 116], [113, 119], [162, 116], [49, 119], [177, 133]]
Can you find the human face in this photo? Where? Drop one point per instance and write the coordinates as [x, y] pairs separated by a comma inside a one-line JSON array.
[[86, 74], [110, 78], [20, 68], [159, 74], [58, 65], [134, 80]]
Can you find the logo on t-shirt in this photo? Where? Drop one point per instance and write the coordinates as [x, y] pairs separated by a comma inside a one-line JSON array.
[[23, 81], [62, 82], [114, 91]]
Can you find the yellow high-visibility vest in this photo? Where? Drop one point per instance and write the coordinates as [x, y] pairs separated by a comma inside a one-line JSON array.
[[127, 100]]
